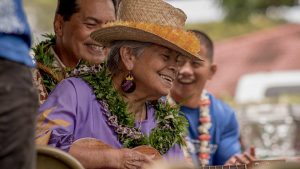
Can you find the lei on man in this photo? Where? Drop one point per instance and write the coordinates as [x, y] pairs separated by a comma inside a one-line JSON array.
[[48, 72]]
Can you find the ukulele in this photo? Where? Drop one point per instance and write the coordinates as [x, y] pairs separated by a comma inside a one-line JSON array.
[[150, 151], [97, 144], [252, 164]]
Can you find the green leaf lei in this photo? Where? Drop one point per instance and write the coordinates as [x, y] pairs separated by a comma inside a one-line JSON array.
[[171, 125], [43, 56], [41, 50]]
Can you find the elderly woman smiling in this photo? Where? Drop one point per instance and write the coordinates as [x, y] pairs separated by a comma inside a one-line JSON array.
[[115, 103]]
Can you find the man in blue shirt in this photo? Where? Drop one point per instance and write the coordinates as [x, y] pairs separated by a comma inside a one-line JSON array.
[[18, 97], [214, 131]]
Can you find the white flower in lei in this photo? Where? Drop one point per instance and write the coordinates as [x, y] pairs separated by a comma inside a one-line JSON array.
[[203, 130]]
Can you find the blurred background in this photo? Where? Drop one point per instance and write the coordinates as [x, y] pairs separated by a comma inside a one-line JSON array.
[[257, 49]]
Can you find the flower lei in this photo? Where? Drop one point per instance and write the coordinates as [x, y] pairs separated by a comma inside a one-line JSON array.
[[203, 129], [171, 126]]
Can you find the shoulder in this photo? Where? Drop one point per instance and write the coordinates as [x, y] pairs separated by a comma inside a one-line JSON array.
[[71, 88], [74, 84], [221, 111], [219, 106], [70, 93]]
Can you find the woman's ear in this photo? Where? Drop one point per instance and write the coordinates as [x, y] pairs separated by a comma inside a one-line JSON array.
[[213, 69], [127, 57], [58, 25]]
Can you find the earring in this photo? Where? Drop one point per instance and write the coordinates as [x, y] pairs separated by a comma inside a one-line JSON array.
[[128, 85]]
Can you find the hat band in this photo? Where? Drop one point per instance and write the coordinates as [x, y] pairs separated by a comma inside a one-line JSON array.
[[180, 37]]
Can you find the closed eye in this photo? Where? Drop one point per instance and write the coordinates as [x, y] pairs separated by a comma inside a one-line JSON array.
[[91, 22], [165, 57], [197, 63], [90, 25]]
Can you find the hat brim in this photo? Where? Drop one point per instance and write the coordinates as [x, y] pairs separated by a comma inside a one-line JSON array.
[[109, 34]]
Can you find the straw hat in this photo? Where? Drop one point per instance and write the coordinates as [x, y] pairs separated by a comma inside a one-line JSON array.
[[152, 21]]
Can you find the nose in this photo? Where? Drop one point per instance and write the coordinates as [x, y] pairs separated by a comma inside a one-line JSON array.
[[186, 69]]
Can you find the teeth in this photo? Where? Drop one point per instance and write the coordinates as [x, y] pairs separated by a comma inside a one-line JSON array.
[[96, 47], [167, 78], [185, 80]]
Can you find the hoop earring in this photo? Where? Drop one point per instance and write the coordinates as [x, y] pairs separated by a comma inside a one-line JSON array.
[[128, 85]]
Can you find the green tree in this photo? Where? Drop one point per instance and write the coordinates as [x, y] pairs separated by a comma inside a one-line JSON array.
[[241, 10]]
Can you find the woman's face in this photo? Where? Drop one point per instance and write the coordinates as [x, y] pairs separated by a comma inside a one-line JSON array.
[[155, 70]]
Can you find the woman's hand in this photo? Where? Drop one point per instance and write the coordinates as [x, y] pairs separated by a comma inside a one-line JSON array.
[[130, 159]]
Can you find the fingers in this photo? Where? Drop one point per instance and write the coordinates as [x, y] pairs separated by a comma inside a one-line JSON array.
[[252, 151], [241, 159], [249, 157], [136, 160], [134, 165], [231, 161]]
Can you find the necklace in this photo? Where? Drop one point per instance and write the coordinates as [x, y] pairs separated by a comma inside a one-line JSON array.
[[140, 120], [203, 130], [170, 124]]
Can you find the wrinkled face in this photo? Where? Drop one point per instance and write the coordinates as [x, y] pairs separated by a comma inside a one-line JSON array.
[[155, 71], [192, 76], [76, 32]]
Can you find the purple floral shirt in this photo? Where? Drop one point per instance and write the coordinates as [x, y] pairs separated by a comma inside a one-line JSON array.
[[72, 112]]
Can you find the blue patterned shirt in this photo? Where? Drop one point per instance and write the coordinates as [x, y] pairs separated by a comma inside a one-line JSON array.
[[15, 35]]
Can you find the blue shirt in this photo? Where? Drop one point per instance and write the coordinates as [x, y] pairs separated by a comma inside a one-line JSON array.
[[224, 131], [15, 35]]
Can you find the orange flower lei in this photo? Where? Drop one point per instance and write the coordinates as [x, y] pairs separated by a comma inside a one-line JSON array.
[[203, 129]]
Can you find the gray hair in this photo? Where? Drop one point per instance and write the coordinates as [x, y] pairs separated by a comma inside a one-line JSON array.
[[114, 58]]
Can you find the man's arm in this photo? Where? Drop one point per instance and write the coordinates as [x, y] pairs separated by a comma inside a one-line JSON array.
[[229, 151], [229, 142]]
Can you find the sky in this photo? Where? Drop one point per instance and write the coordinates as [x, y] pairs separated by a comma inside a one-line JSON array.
[[208, 11], [199, 10]]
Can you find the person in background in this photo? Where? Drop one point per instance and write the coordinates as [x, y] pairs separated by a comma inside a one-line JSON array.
[[213, 137], [74, 21], [18, 97]]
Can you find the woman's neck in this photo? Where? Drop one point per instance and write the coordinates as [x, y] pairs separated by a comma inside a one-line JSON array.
[[136, 102], [138, 109]]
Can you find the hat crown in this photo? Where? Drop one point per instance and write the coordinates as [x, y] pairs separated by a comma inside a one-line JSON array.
[[151, 11]]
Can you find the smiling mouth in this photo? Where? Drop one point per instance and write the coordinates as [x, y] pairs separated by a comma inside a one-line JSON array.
[[167, 78], [95, 48], [185, 81]]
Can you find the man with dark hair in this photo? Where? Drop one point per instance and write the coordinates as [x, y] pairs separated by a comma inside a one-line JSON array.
[[213, 131], [74, 21], [18, 97]]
